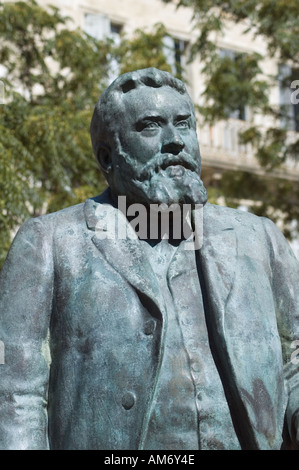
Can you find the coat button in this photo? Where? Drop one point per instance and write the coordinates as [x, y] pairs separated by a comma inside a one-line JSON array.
[[128, 400], [149, 327]]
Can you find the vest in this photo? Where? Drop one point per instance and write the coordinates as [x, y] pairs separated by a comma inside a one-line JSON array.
[[189, 410]]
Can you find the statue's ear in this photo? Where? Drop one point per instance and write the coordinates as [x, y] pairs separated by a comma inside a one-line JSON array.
[[104, 157]]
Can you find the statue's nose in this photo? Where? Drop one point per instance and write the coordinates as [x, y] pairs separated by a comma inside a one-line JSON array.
[[172, 142]]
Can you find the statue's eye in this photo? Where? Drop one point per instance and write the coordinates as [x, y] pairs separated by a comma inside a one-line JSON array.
[[184, 124], [150, 125], [147, 125]]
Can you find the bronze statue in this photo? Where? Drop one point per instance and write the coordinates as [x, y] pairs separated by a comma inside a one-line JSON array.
[[138, 342]]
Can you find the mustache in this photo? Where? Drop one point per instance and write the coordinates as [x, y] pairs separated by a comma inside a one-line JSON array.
[[163, 161]]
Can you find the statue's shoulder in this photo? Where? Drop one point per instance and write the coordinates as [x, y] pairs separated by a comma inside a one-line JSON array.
[[69, 215], [250, 229], [225, 211], [224, 217]]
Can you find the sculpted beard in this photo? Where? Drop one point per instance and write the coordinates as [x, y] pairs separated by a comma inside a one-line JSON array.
[[170, 180]]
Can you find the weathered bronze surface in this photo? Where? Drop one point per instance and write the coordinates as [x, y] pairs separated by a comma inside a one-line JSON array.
[[114, 341]]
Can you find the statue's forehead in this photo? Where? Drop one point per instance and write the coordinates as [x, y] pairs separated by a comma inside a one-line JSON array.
[[143, 99]]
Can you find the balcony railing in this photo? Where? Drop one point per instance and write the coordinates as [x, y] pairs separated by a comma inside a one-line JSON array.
[[221, 148]]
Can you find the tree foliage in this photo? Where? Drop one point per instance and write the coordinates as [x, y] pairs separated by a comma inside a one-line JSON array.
[[151, 44], [53, 75], [233, 82]]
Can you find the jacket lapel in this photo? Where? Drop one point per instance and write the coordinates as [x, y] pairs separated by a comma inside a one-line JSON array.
[[218, 256], [118, 243], [216, 266]]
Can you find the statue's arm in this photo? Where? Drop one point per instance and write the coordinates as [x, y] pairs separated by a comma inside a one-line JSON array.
[[285, 283], [26, 288]]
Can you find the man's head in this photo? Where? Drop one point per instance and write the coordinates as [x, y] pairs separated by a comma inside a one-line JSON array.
[[143, 134]]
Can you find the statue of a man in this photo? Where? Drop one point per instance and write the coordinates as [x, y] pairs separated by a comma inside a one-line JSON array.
[[117, 341]]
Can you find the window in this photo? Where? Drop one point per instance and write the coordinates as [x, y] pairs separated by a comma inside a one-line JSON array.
[[242, 112], [100, 27], [115, 32], [289, 110], [97, 26], [174, 50]]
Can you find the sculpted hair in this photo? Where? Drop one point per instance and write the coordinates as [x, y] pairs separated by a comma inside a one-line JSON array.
[[105, 118]]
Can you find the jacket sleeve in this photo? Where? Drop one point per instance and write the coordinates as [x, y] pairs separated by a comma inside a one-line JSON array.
[[285, 284], [26, 288]]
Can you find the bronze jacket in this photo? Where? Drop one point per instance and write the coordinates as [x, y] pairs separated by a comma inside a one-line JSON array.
[[80, 361]]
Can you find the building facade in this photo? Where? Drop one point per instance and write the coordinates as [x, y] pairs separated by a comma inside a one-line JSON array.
[[220, 145]]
